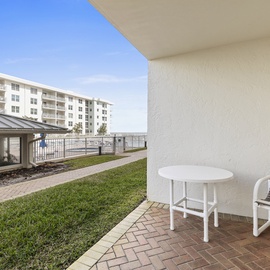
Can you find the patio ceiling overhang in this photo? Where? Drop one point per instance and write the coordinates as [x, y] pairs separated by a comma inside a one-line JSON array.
[[10, 124], [159, 28]]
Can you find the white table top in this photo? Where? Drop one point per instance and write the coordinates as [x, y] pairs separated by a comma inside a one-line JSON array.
[[195, 174]]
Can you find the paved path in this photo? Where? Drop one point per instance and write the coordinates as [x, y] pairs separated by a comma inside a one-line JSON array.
[[24, 188]]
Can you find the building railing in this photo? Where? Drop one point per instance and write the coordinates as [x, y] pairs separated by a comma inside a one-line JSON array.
[[60, 99], [46, 115], [49, 106], [48, 97], [64, 148]]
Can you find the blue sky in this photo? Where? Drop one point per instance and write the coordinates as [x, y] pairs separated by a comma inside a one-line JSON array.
[[69, 45]]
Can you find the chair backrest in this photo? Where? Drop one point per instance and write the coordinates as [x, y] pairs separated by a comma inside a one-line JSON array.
[[268, 195]]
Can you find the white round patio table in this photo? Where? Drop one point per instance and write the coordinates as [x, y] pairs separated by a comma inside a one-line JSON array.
[[195, 174]]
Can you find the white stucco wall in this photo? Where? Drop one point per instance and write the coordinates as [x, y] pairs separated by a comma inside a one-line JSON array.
[[212, 108]]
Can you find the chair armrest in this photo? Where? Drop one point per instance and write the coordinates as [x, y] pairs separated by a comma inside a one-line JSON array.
[[262, 202], [257, 186]]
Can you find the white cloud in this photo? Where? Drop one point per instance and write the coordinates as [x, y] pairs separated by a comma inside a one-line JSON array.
[[103, 78]]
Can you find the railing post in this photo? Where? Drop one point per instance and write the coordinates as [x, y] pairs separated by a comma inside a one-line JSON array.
[[114, 145], [85, 145], [102, 143], [64, 146], [124, 143]]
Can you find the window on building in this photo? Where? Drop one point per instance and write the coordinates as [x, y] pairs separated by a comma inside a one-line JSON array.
[[97, 123], [15, 109], [80, 101], [70, 115], [104, 118], [15, 87], [33, 111], [90, 124], [97, 103], [80, 116], [86, 117], [104, 111], [70, 99], [104, 105], [97, 110], [33, 101], [33, 91], [15, 98], [90, 110], [90, 102], [97, 117], [90, 116], [80, 109], [70, 123], [70, 107], [86, 125]]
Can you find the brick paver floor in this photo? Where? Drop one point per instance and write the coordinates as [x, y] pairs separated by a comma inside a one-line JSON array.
[[150, 244]]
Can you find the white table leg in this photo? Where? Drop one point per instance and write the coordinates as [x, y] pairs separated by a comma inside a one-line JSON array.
[[185, 195], [216, 209], [205, 212], [171, 205]]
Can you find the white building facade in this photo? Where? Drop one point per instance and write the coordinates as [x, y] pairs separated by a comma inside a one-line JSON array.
[[208, 89], [53, 106]]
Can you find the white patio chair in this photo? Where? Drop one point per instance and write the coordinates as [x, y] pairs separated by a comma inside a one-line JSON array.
[[262, 204]]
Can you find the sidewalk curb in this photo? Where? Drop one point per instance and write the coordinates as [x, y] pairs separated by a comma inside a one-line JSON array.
[[91, 257]]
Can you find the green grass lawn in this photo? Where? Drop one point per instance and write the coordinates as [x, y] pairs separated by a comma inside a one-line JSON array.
[[50, 229], [136, 150], [82, 162]]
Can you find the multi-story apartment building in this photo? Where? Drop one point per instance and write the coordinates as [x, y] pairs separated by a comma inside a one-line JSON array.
[[54, 106]]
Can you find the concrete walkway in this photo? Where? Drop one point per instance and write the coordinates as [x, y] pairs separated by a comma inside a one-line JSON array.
[[24, 188]]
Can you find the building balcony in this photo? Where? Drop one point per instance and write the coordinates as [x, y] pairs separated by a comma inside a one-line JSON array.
[[60, 108], [48, 97], [2, 99], [62, 99], [48, 116], [50, 122], [2, 87], [2, 108], [61, 117], [49, 106]]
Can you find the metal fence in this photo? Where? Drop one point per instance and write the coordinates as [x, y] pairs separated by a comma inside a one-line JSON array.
[[61, 148]]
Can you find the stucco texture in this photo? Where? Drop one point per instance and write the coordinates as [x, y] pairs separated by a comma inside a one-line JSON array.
[[211, 108]]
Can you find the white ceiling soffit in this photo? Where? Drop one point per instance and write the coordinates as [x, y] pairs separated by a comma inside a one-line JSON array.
[[161, 28]]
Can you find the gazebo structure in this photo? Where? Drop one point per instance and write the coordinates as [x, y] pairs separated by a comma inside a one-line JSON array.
[[17, 136]]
